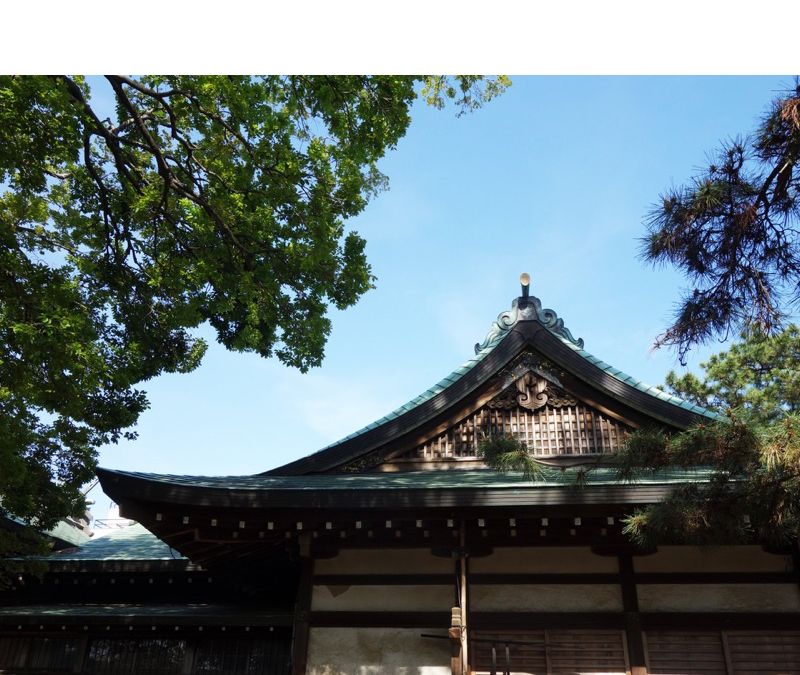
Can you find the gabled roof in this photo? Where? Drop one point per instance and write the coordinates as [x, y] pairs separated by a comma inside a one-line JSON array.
[[526, 326]]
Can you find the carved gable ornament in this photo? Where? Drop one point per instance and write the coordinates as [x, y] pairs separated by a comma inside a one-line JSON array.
[[531, 391]]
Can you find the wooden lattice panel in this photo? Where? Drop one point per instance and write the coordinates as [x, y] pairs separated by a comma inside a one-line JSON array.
[[523, 658], [548, 431], [686, 652], [760, 653], [551, 652]]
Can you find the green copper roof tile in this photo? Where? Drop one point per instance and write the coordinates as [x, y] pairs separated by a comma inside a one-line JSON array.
[[226, 615], [436, 389], [633, 382], [417, 480], [128, 543]]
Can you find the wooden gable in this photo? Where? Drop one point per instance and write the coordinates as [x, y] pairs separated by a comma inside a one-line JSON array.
[[530, 378], [527, 400]]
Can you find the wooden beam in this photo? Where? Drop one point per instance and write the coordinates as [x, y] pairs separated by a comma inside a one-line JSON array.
[[456, 633], [381, 619], [302, 617], [633, 625]]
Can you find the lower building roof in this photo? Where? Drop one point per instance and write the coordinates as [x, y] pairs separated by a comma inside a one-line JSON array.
[[397, 490], [126, 613]]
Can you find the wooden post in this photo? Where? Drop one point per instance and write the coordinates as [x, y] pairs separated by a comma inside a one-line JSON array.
[[455, 633], [80, 654], [630, 605], [463, 599], [303, 607]]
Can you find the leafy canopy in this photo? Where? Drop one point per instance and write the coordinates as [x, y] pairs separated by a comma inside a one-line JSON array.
[[759, 377], [734, 233], [207, 199], [753, 451]]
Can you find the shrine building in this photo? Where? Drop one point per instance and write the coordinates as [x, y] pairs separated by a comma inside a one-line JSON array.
[[397, 551]]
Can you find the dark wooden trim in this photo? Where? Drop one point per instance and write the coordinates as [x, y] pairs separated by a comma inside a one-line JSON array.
[[383, 580], [630, 602], [630, 605], [302, 617], [381, 619], [447, 579], [716, 577], [508, 620], [648, 621], [720, 621], [640, 578]]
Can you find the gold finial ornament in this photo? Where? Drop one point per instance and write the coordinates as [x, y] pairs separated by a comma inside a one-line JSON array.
[[525, 280]]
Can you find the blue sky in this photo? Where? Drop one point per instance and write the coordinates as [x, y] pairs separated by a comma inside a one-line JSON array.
[[553, 178]]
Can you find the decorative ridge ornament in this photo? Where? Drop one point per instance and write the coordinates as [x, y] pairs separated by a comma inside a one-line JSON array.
[[532, 392], [527, 308]]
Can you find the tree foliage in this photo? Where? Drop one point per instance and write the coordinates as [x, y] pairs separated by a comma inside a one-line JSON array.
[[752, 451], [205, 199], [751, 491], [507, 453], [758, 376], [733, 232]]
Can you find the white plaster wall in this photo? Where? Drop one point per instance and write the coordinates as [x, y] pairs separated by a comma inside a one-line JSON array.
[[719, 598], [377, 651], [716, 559], [545, 598], [383, 598], [544, 560], [385, 561]]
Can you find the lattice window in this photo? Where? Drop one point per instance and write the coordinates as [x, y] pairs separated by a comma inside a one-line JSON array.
[[550, 652], [242, 657], [689, 652], [723, 652], [37, 654], [549, 431], [155, 656]]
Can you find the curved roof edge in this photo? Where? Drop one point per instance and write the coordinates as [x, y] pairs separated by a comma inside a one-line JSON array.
[[524, 309], [406, 490], [481, 351]]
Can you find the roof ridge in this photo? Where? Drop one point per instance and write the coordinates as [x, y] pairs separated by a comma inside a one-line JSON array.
[[527, 308]]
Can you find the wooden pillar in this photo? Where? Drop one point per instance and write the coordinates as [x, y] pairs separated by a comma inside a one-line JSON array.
[[458, 625], [455, 633], [630, 605], [80, 654], [303, 608], [464, 599]]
